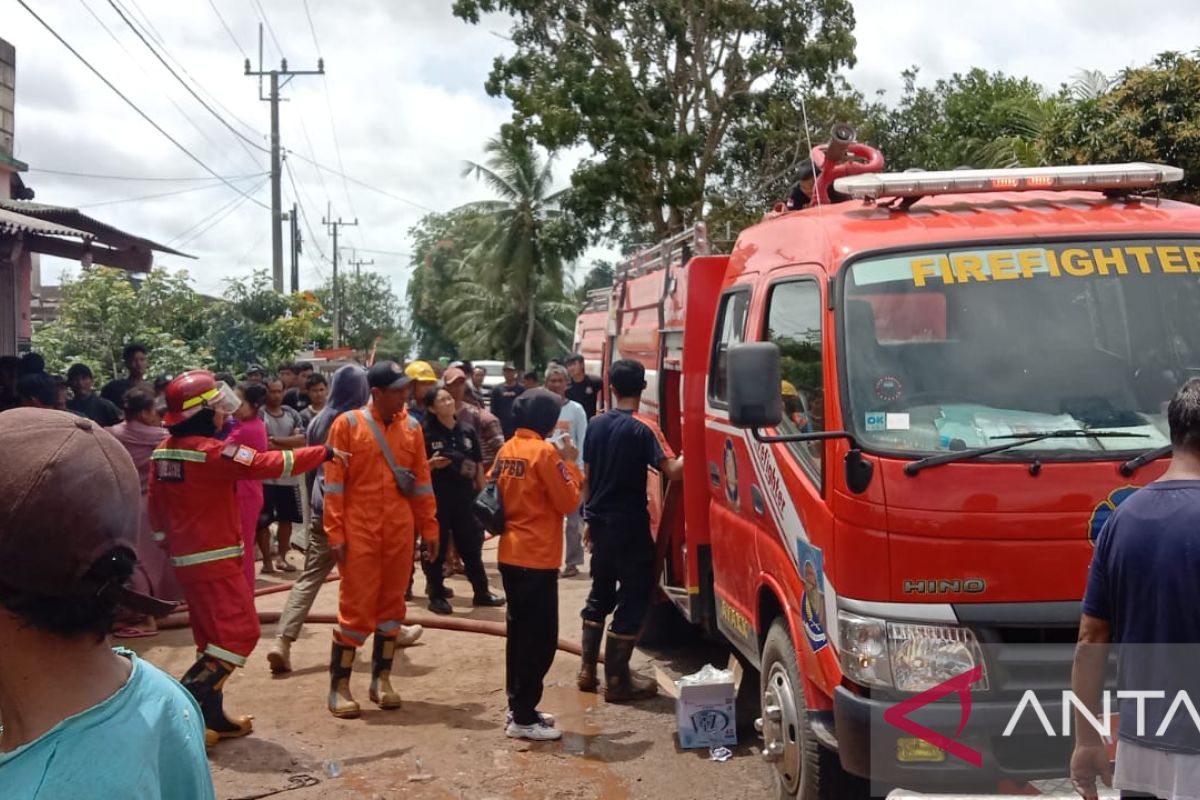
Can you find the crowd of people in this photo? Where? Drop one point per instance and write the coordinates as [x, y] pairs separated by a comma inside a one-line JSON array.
[[382, 465]]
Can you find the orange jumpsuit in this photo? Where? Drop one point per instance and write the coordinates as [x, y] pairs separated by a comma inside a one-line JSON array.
[[365, 511], [193, 503]]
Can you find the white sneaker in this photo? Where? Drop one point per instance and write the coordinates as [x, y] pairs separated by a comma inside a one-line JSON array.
[[547, 719], [408, 636], [538, 732]]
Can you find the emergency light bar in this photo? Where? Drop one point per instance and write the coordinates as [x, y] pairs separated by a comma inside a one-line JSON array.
[[1097, 177]]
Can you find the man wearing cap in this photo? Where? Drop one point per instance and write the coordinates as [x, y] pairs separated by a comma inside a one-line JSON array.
[[80, 719], [503, 397], [194, 506], [375, 505], [583, 388], [255, 374]]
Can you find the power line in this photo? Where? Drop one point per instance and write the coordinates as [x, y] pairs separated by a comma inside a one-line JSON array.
[[358, 182], [131, 104], [210, 221], [337, 146], [270, 30], [312, 236], [232, 38], [154, 196], [116, 7], [384, 252], [203, 134], [96, 176]]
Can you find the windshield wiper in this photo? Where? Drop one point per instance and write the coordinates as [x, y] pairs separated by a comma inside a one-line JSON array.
[[912, 468], [1131, 466]]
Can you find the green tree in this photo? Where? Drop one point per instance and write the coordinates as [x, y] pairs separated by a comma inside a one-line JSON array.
[[439, 241], [980, 119], [653, 87], [253, 324], [370, 309], [518, 263], [1150, 113], [600, 276], [103, 309]]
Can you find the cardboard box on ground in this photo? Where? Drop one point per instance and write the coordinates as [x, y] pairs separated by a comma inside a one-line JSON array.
[[705, 705]]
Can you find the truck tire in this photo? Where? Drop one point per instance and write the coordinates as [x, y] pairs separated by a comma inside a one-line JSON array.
[[802, 769]]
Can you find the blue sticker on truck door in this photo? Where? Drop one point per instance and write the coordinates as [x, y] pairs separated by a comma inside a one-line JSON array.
[[812, 603]]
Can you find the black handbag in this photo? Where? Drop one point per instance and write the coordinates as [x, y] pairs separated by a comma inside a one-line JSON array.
[[489, 508]]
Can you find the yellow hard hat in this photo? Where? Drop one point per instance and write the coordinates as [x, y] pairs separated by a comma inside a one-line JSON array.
[[420, 371], [787, 389]]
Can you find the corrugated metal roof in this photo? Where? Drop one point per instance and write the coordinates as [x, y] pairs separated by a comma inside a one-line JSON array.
[[12, 222], [74, 218]]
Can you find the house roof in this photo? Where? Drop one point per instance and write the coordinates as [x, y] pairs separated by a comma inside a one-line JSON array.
[[76, 222], [13, 222]]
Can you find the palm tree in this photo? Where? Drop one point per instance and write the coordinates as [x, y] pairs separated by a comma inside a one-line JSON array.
[[517, 266]]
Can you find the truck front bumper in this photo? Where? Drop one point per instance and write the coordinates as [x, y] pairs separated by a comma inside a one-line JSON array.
[[871, 747]]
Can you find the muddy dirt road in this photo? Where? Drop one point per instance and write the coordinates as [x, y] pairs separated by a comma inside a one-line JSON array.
[[448, 739]]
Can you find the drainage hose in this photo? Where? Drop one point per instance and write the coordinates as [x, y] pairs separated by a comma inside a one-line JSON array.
[[488, 627]]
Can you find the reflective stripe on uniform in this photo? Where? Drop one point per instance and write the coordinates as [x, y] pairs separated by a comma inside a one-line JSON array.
[[412, 423], [208, 555], [354, 635], [289, 461], [388, 626], [159, 536], [334, 488], [352, 418], [225, 655], [423, 490], [200, 398], [170, 454]]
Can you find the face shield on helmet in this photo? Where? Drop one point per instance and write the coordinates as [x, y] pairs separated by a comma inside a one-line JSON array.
[[220, 398]]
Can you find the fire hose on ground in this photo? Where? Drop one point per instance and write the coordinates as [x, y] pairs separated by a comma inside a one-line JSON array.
[[179, 619]]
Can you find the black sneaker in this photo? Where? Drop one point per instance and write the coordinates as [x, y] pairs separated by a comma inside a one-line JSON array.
[[447, 593], [488, 600], [440, 605]]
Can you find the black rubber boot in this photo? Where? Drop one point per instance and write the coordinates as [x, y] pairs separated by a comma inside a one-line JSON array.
[[206, 681], [621, 685], [341, 665], [381, 692], [593, 634]]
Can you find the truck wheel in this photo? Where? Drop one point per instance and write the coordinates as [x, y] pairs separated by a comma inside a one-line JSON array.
[[803, 769]]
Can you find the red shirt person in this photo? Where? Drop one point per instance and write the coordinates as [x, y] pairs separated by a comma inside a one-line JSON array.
[[193, 503]]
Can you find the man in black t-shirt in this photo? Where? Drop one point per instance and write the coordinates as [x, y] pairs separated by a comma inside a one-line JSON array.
[[137, 360], [583, 389], [502, 399], [618, 527], [86, 402]]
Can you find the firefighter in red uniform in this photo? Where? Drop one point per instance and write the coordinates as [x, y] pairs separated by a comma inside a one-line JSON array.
[[193, 503]]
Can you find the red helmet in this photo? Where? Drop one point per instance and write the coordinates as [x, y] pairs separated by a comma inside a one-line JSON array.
[[196, 390]]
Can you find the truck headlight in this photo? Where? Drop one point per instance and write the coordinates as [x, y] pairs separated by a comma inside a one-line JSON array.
[[864, 653], [905, 656], [923, 656]]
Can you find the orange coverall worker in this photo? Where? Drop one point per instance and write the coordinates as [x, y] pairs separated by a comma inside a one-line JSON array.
[[193, 504], [538, 488], [365, 511]]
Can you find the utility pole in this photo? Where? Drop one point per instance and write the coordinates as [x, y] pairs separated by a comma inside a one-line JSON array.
[[333, 226], [295, 248], [276, 161], [357, 263]]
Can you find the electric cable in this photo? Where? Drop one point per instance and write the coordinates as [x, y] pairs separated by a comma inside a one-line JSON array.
[[242, 137], [156, 195], [132, 104], [224, 25]]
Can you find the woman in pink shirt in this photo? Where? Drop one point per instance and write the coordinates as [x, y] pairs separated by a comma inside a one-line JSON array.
[[250, 431]]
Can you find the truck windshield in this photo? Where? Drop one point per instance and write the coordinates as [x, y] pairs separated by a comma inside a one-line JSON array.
[[955, 349]]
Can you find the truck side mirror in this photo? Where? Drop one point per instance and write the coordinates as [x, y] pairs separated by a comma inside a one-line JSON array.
[[752, 372]]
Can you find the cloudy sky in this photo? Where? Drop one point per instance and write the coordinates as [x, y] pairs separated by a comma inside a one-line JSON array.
[[402, 105]]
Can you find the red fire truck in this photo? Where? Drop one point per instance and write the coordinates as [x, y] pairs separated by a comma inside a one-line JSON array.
[[905, 417]]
